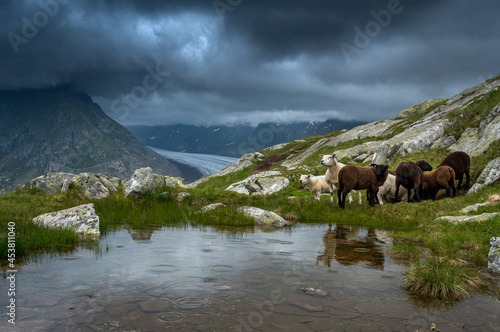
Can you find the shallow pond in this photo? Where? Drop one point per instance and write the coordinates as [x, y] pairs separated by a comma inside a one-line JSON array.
[[304, 278]]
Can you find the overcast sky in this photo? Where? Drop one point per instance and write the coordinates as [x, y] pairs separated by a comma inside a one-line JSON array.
[[205, 61]]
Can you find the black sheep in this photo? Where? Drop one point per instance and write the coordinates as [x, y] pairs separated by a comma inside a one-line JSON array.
[[360, 178], [410, 176], [460, 162]]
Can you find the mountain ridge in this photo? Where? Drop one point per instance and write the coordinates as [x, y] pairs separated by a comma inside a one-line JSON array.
[[62, 130], [232, 140]]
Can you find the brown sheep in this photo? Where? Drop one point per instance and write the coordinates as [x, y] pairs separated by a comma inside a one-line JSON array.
[[442, 177], [460, 162], [360, 178], [410, 176]]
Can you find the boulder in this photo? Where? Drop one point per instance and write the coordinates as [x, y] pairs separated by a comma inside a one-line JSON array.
[[51, 182], [82, 219], [263, 217], [461, 219], [182, 195], [107, 183], [92, 186], [174, 182], [494, 255], [211, 207], [474, 207], [490, 174], [143, 180], [263, 183]]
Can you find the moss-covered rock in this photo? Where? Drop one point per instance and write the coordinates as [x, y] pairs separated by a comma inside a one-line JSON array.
[[143, 180], [263, 217], [263, 183], [82, 219]]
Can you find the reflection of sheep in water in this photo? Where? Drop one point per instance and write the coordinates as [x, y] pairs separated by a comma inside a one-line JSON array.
[[316, 184], [344, 244]]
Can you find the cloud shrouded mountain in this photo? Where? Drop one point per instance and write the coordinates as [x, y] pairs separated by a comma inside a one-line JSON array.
[[61, 130], [205, 62]]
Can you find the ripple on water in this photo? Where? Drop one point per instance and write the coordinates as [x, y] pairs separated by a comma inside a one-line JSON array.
[[164, 268], [169, 317], [221, 268], [71, 258], [208, 236], [188, 303], [163, 250], [278, 241]]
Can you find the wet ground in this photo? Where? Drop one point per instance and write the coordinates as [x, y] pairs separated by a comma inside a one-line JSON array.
[[307, 278]]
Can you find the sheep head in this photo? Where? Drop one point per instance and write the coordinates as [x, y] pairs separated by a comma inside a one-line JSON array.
[[328, 160]]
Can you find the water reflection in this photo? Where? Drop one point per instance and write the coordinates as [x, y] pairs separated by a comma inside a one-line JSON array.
[[348, 246], [231, 279]]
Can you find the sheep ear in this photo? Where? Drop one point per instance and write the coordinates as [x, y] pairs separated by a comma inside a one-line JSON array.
[[386, 166], [299, 174], [373, 165], [309, 175], [333, 155], [321, 155]]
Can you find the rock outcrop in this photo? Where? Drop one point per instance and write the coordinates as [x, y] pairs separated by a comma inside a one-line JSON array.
[[494, 255], [475, 141], [82, 219], [263, 183], [92, 186], [51, 182], [427, 132], [462, 219], [143, 180], [490, 174], [263, 217]]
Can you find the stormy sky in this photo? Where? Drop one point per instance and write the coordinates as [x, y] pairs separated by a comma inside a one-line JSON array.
[[230, 61]]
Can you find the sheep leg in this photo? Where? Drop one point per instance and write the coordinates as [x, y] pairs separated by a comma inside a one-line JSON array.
[[396, 194], [468, 179], [460, 182], [371, 198], [350, 197], [344, 195], [331, 193], [317, 195], [359, 196], [381, 198], [452, 185], [417, 196]]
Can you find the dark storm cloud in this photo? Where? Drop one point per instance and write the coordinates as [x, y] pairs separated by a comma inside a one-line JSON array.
[[242, 60]]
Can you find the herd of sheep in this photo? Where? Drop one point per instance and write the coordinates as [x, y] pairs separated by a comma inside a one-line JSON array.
[[408, 181]]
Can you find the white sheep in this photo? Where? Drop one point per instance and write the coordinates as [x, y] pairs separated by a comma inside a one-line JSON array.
[[332, 175], [316, 184], [389, 187]]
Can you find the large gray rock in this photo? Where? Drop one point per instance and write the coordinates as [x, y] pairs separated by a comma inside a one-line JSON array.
[[490, 174], [494, 255], [51, 182], [475, 141], [263, 183], [211, 207], [82, 219], [263, 217], [92, 186], [419, 108], [462, 219], [143, 180]]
